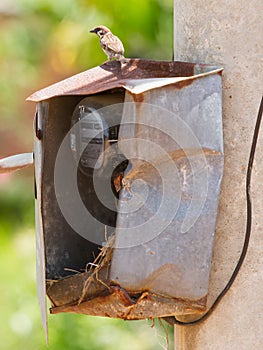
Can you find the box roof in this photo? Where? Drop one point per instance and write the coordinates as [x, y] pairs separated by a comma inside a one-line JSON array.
[[136, 75]]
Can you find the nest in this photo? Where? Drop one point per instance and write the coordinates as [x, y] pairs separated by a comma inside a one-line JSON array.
[[102, 260]]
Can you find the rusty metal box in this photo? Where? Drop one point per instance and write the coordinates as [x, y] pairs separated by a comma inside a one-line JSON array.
[[128, 164]]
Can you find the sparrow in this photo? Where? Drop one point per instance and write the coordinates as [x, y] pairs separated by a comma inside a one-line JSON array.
[[110, 43]]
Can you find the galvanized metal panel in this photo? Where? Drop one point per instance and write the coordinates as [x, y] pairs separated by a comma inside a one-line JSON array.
[[138, 86], [69, 247], [164, 240], [41, 115], [16, 162]]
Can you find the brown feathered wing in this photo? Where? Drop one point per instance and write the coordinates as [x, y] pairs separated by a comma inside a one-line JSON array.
[[112, 43]]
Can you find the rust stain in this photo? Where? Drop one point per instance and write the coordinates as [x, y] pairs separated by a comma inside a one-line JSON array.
[[115, 301], [138, 97], [123, 295], [155, 276], [183, 83], [149, 305], [69, 289], [147, 171]]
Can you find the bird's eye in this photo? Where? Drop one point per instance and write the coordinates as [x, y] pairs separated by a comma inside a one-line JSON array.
[[100, 32]]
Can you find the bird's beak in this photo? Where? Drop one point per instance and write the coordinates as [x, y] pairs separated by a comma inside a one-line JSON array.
[[92, 31]]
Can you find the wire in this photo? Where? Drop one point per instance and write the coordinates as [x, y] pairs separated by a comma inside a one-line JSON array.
[[172, 320]]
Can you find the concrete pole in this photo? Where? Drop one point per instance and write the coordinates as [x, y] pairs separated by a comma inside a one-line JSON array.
[[229, 33]]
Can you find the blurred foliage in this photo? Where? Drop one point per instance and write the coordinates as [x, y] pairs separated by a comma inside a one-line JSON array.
[[42, 42]]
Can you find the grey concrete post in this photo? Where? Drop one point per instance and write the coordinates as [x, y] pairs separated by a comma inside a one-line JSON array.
[[230, 33]]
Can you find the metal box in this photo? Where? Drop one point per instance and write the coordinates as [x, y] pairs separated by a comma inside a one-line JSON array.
[[128, 164]]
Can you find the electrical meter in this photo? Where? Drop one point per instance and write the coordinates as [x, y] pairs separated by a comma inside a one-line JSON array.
[[94, 135], [88, 137]]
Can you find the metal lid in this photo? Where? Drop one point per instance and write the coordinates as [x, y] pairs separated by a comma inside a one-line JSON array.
[[112, 75]]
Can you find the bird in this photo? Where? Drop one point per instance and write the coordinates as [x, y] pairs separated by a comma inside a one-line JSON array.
[[110, 43]]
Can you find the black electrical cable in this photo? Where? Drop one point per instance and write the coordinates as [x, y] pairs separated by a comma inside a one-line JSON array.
[[172, 320]]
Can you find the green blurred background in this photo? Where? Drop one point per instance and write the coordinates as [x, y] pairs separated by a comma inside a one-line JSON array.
[[41, 42]]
